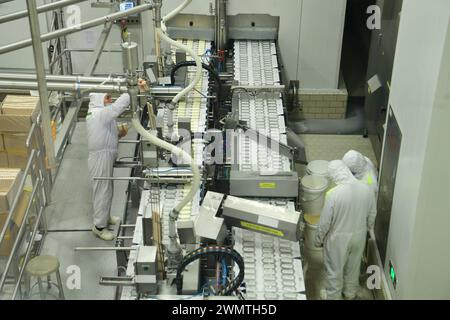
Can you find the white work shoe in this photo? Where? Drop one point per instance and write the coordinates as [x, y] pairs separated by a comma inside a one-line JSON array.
[[104, 234], [114, 220], [352, 297]]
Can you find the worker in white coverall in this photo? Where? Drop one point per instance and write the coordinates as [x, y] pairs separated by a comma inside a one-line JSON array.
[[103, 140], [348, 213], [363, 169]]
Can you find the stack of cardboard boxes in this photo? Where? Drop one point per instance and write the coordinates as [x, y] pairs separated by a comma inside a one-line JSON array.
[[9, 189], [16, 118]]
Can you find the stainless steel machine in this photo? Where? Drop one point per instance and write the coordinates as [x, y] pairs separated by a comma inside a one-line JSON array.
[[213, 172]]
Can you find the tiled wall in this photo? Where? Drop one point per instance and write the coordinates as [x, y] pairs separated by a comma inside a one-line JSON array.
[[321, 104]]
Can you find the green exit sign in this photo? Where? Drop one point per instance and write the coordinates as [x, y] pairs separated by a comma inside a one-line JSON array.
[[392, 274]]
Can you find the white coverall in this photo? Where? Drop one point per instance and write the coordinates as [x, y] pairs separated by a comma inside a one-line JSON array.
[[349, 212], [363, 169], [103, 140]]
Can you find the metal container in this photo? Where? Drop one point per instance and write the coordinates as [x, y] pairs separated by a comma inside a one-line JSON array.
[[130, 57]]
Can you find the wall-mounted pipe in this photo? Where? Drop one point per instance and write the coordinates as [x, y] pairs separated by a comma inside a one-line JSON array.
[[77, 28]]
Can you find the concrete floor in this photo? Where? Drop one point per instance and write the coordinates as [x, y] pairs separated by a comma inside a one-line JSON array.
[[329, 147], [69, 219], [70, 215]]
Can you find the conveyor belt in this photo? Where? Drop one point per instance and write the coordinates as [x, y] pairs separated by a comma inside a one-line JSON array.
[[194, 107], [273, 269], [255, 63]]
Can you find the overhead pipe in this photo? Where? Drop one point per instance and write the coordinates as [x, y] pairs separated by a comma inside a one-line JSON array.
[[63, 86], [77, 28], [40, 9], [76, 86], [59, 78]]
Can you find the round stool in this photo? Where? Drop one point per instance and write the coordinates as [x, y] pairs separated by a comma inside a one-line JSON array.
[[44, 266]]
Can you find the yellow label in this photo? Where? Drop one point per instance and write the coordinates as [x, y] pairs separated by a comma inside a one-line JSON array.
[[267, 185], [271, 231]]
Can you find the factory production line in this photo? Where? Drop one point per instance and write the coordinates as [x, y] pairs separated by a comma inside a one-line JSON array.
[[268, 267], [273, 269], [206, 229]]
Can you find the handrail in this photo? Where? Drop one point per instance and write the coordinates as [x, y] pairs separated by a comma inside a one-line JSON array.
[[19, 235], [73, 29], [37, 201], [41, 9], [17, 196]]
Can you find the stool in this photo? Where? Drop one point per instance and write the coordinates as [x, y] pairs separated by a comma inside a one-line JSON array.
[[43, 266]]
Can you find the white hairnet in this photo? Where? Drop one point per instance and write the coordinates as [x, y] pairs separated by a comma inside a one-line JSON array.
[[339, 172], [97, 100], [356, 162]]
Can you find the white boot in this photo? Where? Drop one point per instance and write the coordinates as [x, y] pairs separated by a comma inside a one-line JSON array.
[[104, 234], [114, 220]]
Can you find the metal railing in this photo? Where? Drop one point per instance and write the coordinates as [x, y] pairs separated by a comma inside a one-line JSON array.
[[33, 218]]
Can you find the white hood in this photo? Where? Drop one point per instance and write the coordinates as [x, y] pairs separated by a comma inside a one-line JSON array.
[[97, 100], [339, 173], [356, 162]]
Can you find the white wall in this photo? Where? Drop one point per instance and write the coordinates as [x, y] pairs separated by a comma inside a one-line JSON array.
[[321, 35], [417, 67], [109, 62], [431, 258], [310, 37], [15, 31]]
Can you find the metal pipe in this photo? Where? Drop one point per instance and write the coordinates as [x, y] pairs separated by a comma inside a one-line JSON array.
[[17, 241], [77, 87], [221, 25], [130, 141], [76, 28], [16, 198], [59, 78], [65, 86], [119, 179], [59, 56], [42, 88], [40, 9], [93, 61], [104, 249]]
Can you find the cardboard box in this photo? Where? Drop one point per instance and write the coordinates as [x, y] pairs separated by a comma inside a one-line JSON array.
[[9, 185], [17, 113], [3, 160], [17, 220], [20, 105], [11, 123], [17, 161], [15, 143]]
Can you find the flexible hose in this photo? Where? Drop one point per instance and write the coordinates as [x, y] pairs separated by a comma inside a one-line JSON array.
[[213, 250], [185, 64], [198, 63], [180, 154], [174, 250], [176, 11]]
